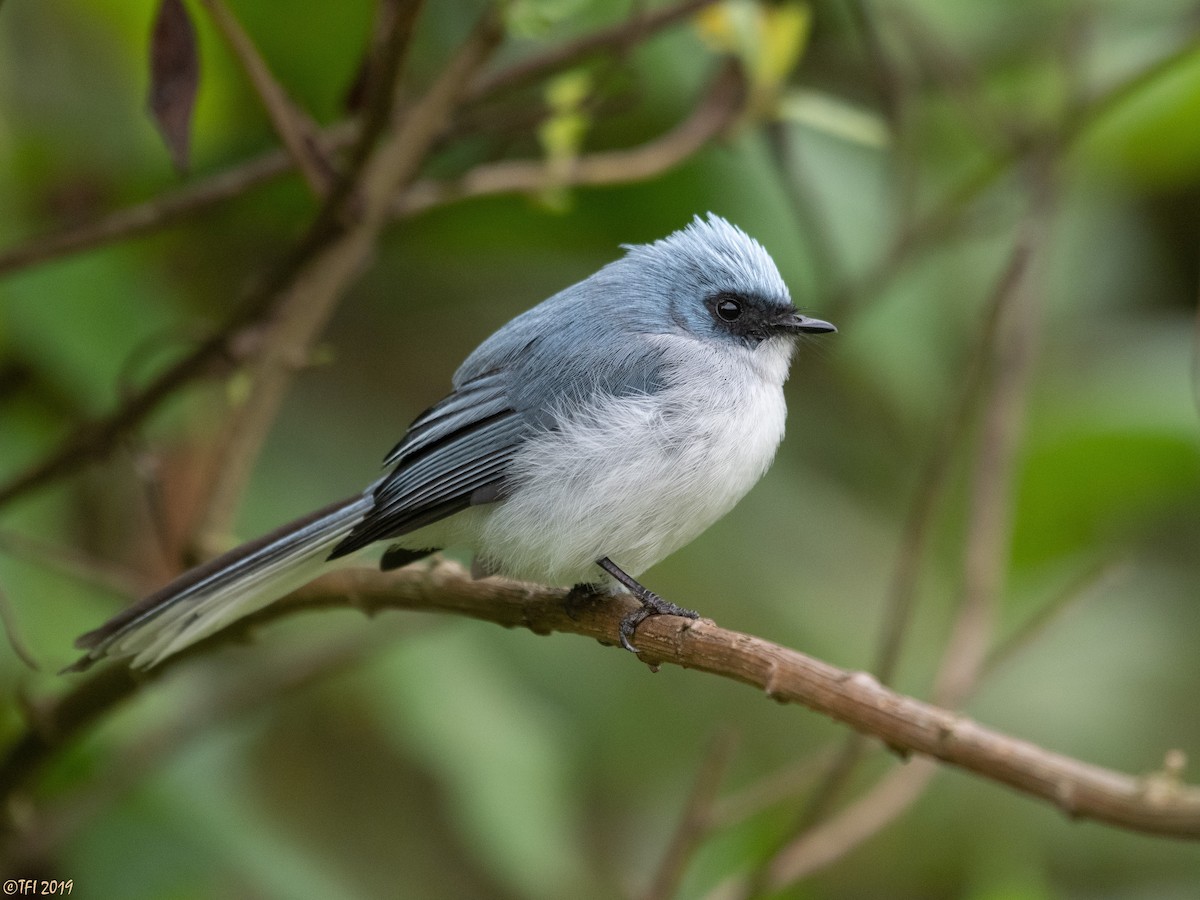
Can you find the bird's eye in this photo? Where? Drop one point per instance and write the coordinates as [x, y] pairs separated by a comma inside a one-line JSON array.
[[728, 309]]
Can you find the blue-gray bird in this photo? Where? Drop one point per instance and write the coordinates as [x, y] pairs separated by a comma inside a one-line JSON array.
[[584, 441]]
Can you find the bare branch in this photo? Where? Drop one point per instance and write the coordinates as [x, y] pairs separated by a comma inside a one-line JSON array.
[[908, 725], [165, 209], [787, 676], [295, 129], [394, 31], [719, 109]]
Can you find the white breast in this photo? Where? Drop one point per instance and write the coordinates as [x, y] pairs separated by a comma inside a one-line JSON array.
[[634, 478]]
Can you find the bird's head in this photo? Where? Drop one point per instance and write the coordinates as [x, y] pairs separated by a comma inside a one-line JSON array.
[[717, 283]]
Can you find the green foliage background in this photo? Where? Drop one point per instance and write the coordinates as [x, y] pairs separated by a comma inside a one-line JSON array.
[[453, 759]]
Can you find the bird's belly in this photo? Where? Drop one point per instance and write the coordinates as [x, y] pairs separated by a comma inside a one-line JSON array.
[[633, 479]]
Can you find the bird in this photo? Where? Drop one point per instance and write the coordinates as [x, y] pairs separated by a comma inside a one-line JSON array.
[[588, 438]]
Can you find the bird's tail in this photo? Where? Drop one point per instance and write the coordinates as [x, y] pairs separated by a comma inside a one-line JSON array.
[[205, 599]]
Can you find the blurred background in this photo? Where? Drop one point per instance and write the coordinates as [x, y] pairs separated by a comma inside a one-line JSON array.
[[912, 166]]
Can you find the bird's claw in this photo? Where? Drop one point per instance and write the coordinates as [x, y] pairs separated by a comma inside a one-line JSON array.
[[652, 605]]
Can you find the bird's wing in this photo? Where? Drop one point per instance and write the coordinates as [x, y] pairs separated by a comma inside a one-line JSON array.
[[454, 455], [458, 453]]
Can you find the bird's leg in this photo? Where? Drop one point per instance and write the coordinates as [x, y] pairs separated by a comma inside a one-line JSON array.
[[652, 604]]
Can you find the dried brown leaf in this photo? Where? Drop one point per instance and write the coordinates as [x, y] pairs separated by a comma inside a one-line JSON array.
[[174, 78]]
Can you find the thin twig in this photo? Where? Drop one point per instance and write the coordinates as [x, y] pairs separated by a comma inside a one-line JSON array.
[[393, 37], [164, 209], [94, 440], [295, 129], [719, 109]]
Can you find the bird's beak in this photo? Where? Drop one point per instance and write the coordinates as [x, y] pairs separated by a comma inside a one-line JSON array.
[[794, 322]]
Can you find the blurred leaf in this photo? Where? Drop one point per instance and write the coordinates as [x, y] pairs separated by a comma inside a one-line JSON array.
[[769, 39], [826, 113], [174, 78], [1150, 137], [785, 29], [561, 135]]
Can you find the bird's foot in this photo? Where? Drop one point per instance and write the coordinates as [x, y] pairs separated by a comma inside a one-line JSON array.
[[652, 605]]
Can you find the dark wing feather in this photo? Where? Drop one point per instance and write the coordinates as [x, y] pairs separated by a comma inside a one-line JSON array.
[[454, 455]]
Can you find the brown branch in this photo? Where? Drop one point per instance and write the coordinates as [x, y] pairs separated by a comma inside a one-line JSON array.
[[296, 130], [176, 205], [786, 676], [716, 112], [163, 210], [394, 29], [908, 725], [94, 440]]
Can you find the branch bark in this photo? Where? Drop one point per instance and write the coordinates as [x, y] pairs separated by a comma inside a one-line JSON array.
[[1155, 804], [295, 129], [718, 110], [907, 725]]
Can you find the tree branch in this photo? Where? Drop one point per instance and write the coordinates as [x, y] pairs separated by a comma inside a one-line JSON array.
[[1151, 804], [295, 129], [720, 107], [787, 676], [94, 440]]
